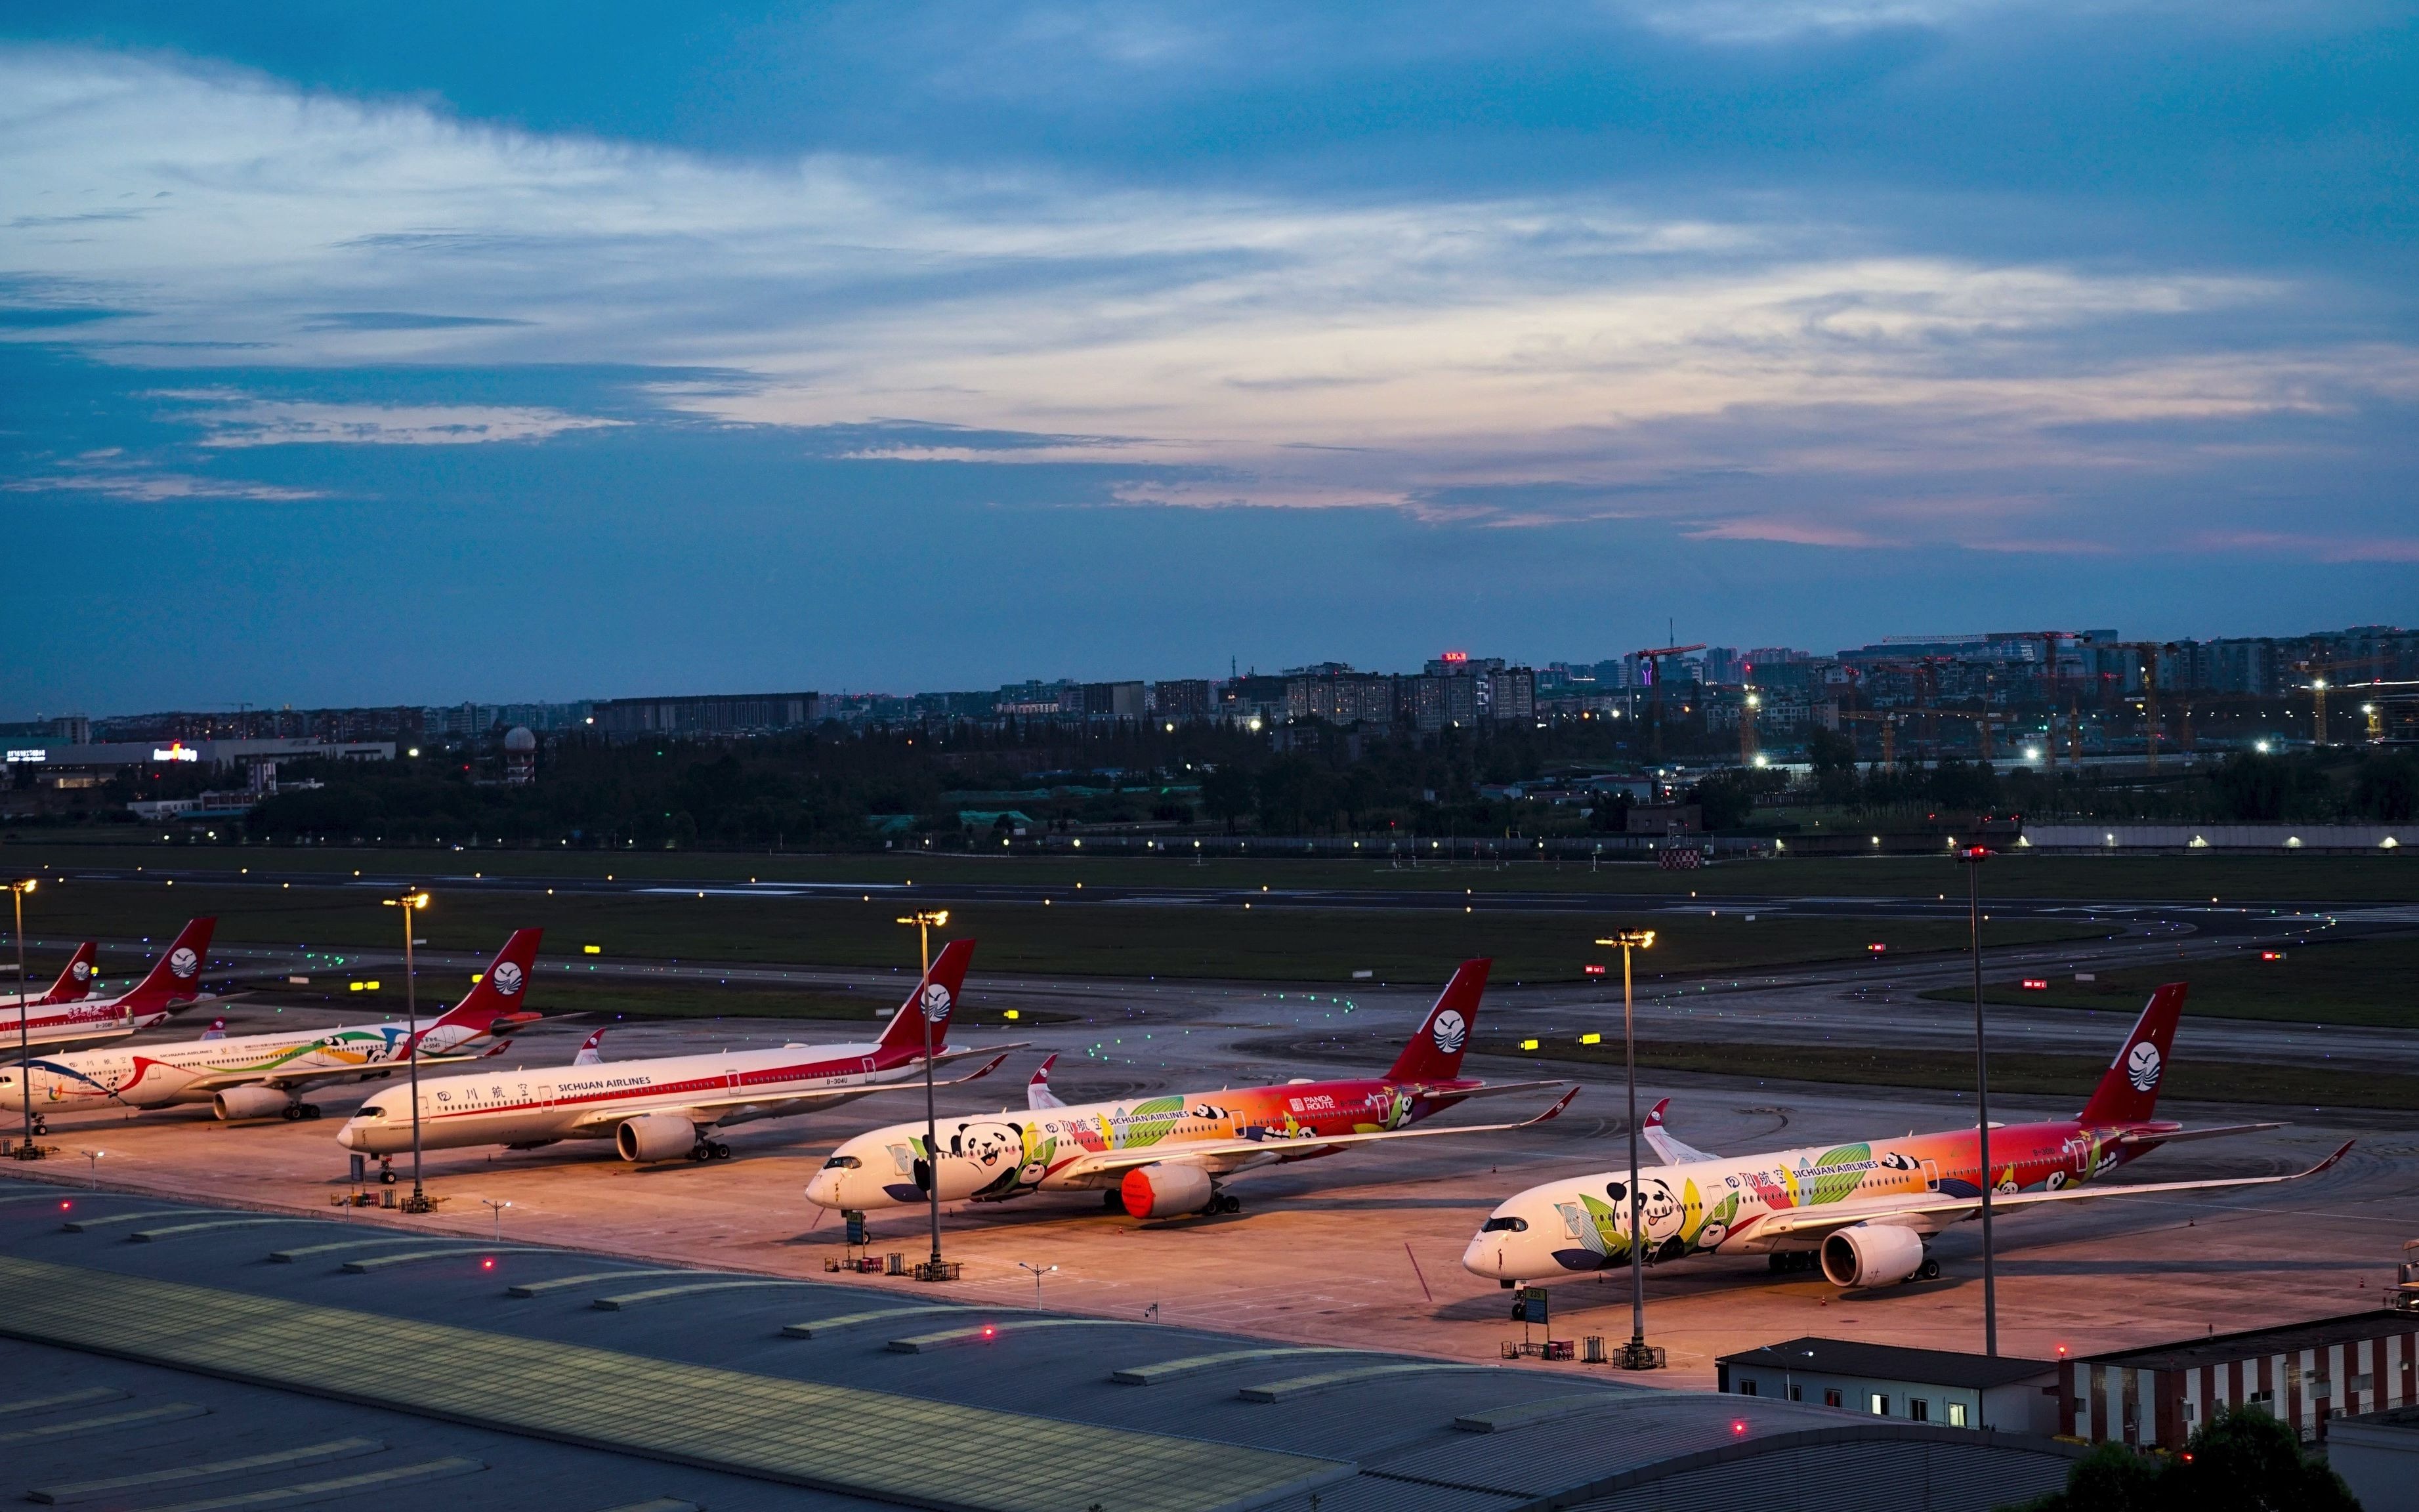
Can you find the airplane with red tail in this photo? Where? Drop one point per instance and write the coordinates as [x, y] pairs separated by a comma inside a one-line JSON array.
[[173, 983], [1864, 1212], [1163, 1157], [671, 1106]]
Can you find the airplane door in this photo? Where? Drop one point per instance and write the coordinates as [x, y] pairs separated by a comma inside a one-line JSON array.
[[1931, 1176]]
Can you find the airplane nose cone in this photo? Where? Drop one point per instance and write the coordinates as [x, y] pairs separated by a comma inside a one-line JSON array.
[[347, 1135], [1485, 1256], [823, 1191]]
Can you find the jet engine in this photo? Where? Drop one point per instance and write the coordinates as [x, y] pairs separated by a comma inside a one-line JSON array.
[[1870, 1254], [655, 1136], [1164, 1191], [251, 1103]]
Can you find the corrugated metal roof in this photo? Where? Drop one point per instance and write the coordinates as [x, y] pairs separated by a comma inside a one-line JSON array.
[[2184, 1354], [1891, 1362]]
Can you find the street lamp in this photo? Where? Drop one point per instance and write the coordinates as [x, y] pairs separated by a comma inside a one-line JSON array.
[[28, 1150], [497, 1207], [1972, 857], [1635, 1355], [1039, 1271], [92, 1159], [925, 921], [411, 903]]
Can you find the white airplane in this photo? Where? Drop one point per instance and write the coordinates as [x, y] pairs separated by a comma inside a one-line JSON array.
[[1864, 1212], [264, 1076], [173, 983], [671, 1106], [1162, 1157]]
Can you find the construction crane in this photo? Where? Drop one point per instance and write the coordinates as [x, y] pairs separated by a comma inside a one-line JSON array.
[[1888, 719], [1652, 658]]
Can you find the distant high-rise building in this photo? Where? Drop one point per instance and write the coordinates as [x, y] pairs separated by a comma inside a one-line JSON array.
[[737, 713], [1180, 700]]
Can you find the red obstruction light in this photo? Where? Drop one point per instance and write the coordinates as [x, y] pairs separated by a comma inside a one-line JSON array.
[[990, 1332], [487, 1262], [2271, 955], [1594, 968], [1877, 947], [2036, 984], [1738, 1424]]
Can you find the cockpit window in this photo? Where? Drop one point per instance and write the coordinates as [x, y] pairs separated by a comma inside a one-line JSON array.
[[842, 1162], [1504, 1224], [371, 1112]]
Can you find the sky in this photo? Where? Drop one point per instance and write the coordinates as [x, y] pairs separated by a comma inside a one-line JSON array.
[[361, 355]]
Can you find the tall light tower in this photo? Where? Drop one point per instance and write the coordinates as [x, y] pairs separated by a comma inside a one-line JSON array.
[[925, 920], [1635, 1355], [27, 1149], [411, 904], [1972, 857]]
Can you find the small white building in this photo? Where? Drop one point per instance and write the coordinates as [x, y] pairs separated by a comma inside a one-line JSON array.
[[1942, 1387]]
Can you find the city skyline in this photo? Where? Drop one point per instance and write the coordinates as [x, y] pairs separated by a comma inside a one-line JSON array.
[[365, 357]]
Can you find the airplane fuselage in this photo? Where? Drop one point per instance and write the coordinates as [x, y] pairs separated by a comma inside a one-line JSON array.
[[161, 1075], [990, 1158], [542, 1105], [1717, 1206]]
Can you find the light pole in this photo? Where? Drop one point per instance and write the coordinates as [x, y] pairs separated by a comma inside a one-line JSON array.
[[1635, 1355], [28, 1150], [499, 1210], [1972, 857], [1039, 1271], [925, 920], [92, 1157], [411, 903]]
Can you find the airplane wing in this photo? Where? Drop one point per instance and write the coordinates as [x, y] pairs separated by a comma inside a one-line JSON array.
[[711, 1110], [311, 1075], [1253, 1151], [2176, 1136], [1670, 1149], [1490, 1090], [1931, 1213]]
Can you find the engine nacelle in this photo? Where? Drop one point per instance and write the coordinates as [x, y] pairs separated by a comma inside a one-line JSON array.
[[1871, 1254], [251, 1103], [655, 1136], [1164, 1191]]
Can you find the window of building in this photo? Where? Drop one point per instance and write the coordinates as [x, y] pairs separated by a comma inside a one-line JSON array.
[[1957, 1415], [1830, 1395], [1878, 1404], [1746, 1388], [1918, 1409], [1797, 1392]]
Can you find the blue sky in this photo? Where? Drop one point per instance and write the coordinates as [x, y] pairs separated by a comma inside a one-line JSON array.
[[422, 353]]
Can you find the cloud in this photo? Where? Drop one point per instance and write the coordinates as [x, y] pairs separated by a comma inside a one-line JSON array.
[[1785, 365], [234, 420]]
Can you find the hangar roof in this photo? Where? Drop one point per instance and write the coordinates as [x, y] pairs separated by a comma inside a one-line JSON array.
[[859, 1392]]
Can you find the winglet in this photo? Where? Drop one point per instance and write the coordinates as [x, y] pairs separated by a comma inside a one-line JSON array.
[[1555, 1112], [1654, 1114], [2341, 1150], [1037, 1092]]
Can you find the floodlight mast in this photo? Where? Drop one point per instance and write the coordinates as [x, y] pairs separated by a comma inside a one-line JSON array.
[[925, 921], [1635, 1355], [28, 1150], [411, 903], [1972, 857]]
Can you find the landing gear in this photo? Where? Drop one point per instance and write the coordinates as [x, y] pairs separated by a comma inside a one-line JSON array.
[[296, 1112], [1224, 1203], [42, 1127], [1928, 1271], [1791, 1262], [709, 1150], [386, 1170]]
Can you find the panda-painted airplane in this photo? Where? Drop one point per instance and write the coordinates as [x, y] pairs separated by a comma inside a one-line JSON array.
[[1163, 1157], [1863, 1213]]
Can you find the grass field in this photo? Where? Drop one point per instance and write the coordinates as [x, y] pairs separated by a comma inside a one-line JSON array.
[[2372, 982], [2343, 879], [2072, 1076], [1258, 943], [551, 994]]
